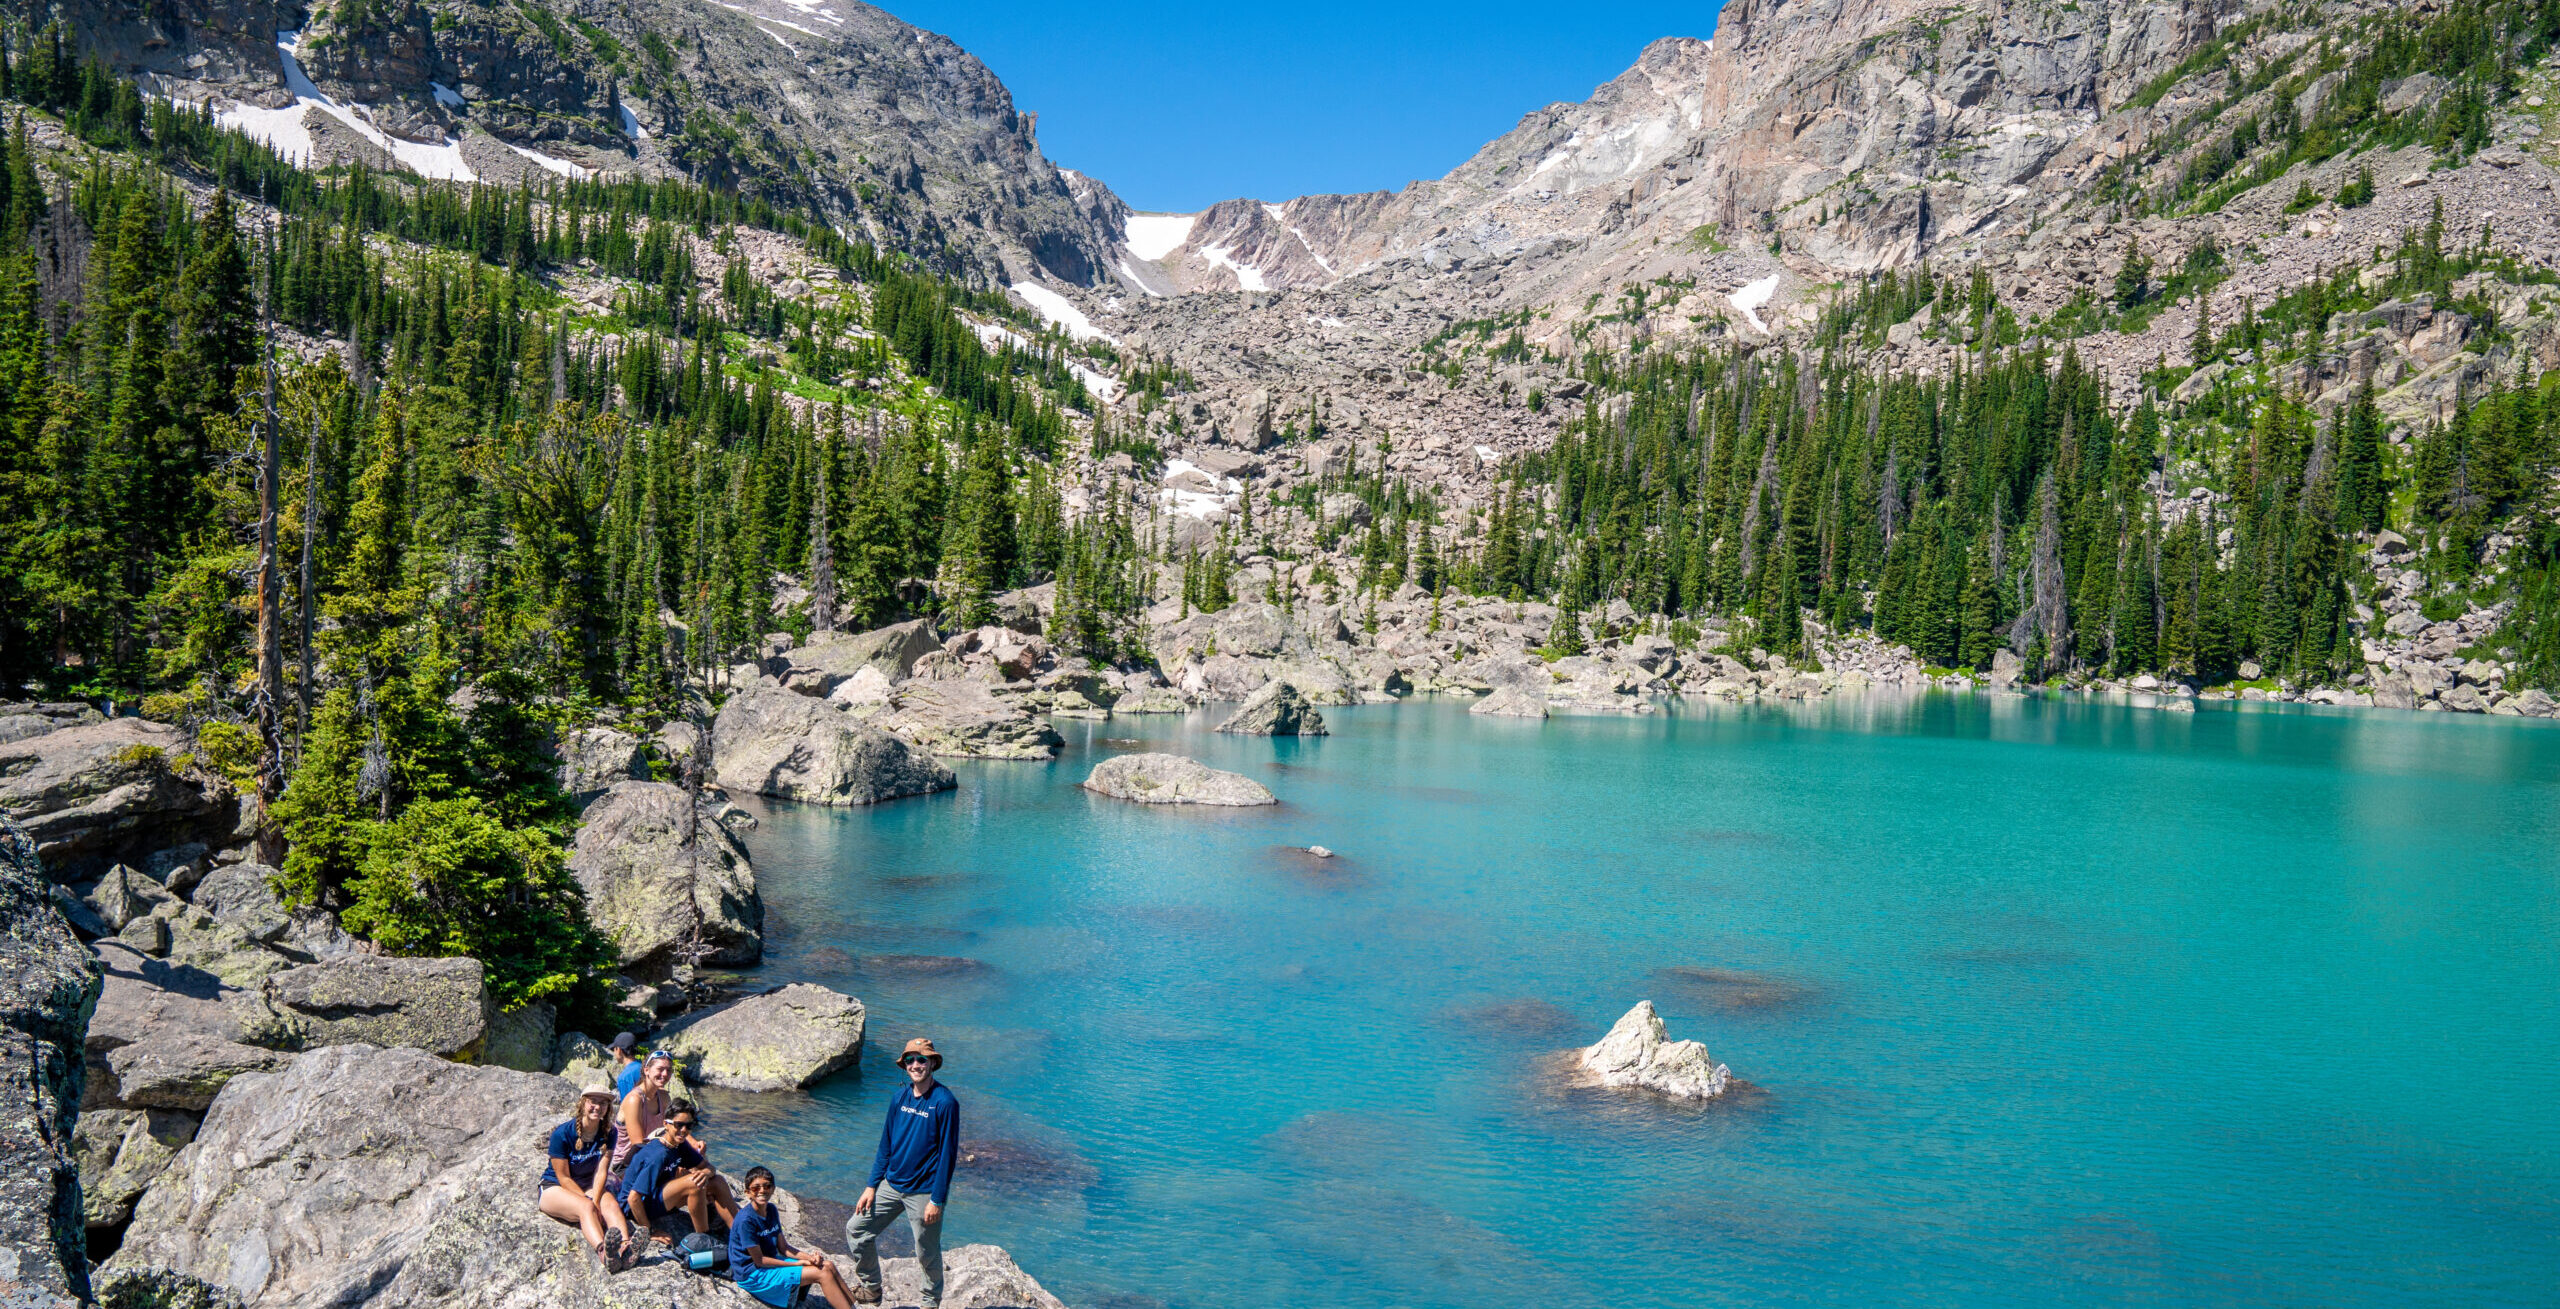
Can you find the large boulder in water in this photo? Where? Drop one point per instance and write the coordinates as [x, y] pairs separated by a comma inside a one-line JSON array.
[[91, 792], [788, 1038], [660, 875], [1511, 702], [1638, 1052], [967, 720], [440, 1006], [47, 983], [1276, 710], [772, 742], [1172, 779]]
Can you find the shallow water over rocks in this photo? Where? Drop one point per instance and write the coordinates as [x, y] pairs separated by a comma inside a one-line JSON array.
[[2035, 1002]]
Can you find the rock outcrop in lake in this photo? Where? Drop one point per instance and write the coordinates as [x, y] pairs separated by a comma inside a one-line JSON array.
[[1277, 709], [789, 1038], [1639, 1053], [661, 878], [1172, 779], [768, 741]]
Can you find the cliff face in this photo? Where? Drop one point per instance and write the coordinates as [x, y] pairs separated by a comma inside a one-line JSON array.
[[1870, 133], [895, 130]]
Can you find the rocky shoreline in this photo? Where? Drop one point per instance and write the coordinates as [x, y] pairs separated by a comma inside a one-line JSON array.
[[207, 1070]]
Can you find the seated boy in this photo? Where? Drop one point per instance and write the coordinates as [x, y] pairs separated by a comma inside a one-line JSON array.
[[669, 1172]]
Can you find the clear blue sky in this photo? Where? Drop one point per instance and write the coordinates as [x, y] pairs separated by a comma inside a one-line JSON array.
[[1179, 105]]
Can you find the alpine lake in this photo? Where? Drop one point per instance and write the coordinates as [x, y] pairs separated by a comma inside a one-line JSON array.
[[2033, 1001]]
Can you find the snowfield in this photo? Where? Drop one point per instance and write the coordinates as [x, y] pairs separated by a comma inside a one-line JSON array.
[[1153, 236]]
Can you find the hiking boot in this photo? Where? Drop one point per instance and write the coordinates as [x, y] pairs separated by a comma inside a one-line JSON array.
[[866, 1293], [617, 1251]]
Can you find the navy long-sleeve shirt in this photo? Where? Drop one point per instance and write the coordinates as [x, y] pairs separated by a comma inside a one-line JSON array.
[[920, 1144]]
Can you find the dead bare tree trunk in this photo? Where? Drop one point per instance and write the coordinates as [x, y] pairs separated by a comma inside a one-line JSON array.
[[268, 705]]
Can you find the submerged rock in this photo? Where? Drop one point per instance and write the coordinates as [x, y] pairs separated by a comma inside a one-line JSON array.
[[789, 1038], [1639, 1052], [1275, 710], [1173, 779]]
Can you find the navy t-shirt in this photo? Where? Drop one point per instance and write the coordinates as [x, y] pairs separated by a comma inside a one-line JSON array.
[[651, 1166], [582, 1158], [757, 1232]]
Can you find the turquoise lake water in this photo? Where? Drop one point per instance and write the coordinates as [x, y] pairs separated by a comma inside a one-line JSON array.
[[2039, 1002]]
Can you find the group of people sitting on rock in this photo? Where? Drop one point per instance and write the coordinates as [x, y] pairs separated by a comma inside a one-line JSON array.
[[632, 1154]]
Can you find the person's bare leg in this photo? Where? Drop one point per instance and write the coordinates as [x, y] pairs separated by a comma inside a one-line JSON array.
[[824, 1278], [723, 1199], [571, 1207], [688, 1193]]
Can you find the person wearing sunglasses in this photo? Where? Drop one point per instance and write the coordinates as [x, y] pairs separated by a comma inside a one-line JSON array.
[[764, 1264], [573, 1189], [669, 1172], [919, 1146]]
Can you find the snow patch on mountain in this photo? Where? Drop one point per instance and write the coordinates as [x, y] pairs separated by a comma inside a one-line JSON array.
[[1056, 309], [286, 130], [1749, 298], [1153, 236], [1248, 277]]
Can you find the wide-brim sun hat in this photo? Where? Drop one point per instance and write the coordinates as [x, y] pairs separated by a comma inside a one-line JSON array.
[[922, 1045], [598, 1091]]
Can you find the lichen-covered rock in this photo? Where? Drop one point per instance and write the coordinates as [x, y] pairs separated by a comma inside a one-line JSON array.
[[772, 742], [304, 1187], [660, 876], [91, 792], [183, 1070], [962, 719], [1639, 1052], [440, 1006], [789, 1038], [48, 983], [243, 895], [120, 1152], [123, 895], [890, 651], [1173, 779], [1276, 710], [521, 1038], [222, 947], [592, 759], [1152, 700]]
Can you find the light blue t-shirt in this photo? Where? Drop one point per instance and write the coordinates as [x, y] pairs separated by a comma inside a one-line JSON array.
[[623, 1081]]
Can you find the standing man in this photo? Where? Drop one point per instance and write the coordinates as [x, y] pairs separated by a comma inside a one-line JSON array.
[[918, 1147]]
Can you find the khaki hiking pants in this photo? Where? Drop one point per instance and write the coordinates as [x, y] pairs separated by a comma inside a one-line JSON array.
[[862, 1234]]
